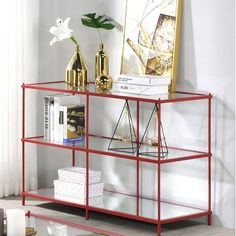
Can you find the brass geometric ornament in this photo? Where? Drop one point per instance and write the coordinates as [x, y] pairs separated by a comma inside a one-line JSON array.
[[124, 136], [149, 142]]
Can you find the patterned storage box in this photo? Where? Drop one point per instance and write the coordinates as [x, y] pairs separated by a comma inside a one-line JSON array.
[[93, 201], [77, 175], [77, 190]]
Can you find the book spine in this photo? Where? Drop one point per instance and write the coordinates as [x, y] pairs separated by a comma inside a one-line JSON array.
[[65, 122], [139, 89], [46, 118], [127, 88], [143, 80], [61, 123], [56, 119], [51, 120]]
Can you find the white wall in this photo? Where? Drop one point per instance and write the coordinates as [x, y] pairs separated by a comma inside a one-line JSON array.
[[206, 64]]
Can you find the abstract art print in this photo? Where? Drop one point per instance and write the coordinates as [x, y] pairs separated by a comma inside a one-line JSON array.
[[150, 37]]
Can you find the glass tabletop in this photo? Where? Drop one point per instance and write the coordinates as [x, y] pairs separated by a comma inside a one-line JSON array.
[[61, 86], [45, 225]]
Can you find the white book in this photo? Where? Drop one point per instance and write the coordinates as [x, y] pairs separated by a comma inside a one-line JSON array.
[[46, 118], [139, 89], [61, 123], [61, 100], [65, 122], [51, 120], [147, 80]]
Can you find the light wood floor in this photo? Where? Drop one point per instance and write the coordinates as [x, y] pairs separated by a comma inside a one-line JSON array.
[[116, 224]]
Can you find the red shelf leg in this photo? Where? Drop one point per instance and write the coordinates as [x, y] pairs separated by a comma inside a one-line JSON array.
[[159, 169], [87, 158], [73, 157], [159, 230], [137, 169], [209, 159], [23, 144]]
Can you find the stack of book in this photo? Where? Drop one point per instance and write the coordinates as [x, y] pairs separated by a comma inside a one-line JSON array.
[[71, 186], [64, 118], [142, 84]]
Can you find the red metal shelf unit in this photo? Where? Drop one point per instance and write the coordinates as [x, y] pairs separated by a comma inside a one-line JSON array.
[[91, 146]]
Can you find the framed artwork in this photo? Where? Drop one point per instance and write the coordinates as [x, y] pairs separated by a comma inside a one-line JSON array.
[[151, 38]]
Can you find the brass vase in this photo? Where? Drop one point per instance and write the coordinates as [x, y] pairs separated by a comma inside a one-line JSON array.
[[103, 80], [76, 70]]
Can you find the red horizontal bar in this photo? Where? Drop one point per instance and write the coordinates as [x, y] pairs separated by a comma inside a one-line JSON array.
[[172, 100], [122, 156], [35, 84], [56, 90], [186, 158], [185, 149], [187, 217], [74, 225], [125, 215], [193, 93], [29, 140]]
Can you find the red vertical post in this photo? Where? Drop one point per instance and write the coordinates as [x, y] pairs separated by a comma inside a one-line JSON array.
[[209, 159], [159, 168], [23, 144], [137, 168], [73, 157], [87, 156]]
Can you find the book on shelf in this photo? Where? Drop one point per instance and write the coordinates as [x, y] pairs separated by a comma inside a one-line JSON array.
[[74, 123], [54, 117], [140, 89], [147, 80], [59, 101], [48, 112]]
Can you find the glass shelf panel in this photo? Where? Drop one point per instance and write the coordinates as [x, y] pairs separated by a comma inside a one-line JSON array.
[[50, 226], [147, 207], [42, 141], [170, 97], [123, 203], [100, 145]]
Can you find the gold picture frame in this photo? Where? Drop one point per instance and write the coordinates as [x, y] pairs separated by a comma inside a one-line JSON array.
[[151, 38]]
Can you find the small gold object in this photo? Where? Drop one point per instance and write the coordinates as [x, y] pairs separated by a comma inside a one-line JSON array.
[[76, 71], [101, 62], [125, 133], [103, 83], [103, 79], [30, 231]]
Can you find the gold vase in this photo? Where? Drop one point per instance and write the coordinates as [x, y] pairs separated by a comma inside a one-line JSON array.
[[101, 62], [76, 70], [103, 80]]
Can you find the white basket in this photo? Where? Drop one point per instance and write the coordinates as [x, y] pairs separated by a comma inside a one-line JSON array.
[[94, 201], [77, 175], [77, 190]]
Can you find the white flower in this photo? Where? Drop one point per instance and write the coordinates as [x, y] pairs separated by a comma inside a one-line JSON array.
[[61, 31]]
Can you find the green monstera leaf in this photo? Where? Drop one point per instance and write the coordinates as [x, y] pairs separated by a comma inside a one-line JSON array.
[[99, 22]]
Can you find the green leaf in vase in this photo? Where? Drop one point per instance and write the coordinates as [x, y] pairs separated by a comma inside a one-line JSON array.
[[99, 22]]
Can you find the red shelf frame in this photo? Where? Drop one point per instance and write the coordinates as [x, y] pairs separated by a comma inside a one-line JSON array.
[[48, 86]]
